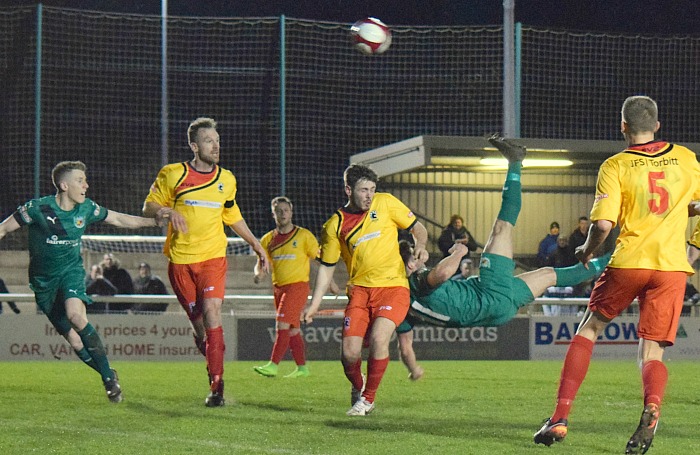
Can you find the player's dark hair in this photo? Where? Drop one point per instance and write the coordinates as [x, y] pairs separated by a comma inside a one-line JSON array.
[[279, 199], [356, 172], [196, 125], [60, 170], [405, 250], [640, 113]]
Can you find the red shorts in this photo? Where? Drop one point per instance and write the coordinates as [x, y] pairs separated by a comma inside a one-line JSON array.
[[290, 301], [660, 296], [192, 283], [367, 304]]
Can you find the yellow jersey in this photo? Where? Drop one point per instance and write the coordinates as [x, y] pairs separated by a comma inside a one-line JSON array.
[[290, 254], [368, 242], [646, 189], [695, 236], [207, 200]]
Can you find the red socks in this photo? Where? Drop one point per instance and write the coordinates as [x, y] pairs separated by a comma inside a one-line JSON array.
[[215, 351], [654, 379], [296, 345], [280, 347], [354, 374], [576, 363], [375, 373]]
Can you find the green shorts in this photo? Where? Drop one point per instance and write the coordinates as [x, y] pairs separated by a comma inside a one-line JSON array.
[[51, 294], [503, 293]]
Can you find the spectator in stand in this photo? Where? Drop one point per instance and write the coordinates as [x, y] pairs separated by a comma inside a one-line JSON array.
[[456, 232], [562, 256], [97, 284], [146, 283], [119, 277], [580, 234], [548, 244], [4, 290]]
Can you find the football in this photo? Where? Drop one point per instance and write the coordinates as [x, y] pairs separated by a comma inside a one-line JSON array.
[[370, 36]]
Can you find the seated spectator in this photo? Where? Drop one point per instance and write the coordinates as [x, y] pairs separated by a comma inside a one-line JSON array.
[[97, 284], [548, 244], [4, 290], [119, 277], [563, 255], [146, 283], [456, 232]]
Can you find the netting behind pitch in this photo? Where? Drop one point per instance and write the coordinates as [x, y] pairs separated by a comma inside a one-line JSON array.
[[574, 83], [101, 98]]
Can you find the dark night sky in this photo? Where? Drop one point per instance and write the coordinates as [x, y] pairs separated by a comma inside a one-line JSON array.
[[664, 17]]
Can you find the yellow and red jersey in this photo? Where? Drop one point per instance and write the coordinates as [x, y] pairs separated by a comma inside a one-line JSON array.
[[207, 200], [368, 242], [290, 254], [647, 189]]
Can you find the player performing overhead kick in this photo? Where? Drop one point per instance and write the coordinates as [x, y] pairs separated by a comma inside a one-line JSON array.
[[494, 297]]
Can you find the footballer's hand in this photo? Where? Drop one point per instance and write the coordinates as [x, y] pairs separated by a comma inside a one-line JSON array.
[[309, 316], [459, 248], [416, 373], [167, 214], [421, 254], [581, 255]]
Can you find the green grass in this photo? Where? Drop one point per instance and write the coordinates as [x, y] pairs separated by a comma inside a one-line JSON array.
[[469, 407]]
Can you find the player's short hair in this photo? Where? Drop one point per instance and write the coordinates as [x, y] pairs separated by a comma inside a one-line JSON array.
[[196, 125], [279, 199], [640, 113], [356, 172], [405, 250], [59, 171]]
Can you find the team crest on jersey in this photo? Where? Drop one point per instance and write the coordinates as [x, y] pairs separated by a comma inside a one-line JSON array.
[[373, 215], [485, 263], [221, 187], [346, 322], [79, 221], [294, 244]]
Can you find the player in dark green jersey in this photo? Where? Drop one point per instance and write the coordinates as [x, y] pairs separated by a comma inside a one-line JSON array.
[[56, 274], [494, 297]]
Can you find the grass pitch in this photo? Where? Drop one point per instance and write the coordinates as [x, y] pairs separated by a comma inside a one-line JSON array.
[[467, 407]]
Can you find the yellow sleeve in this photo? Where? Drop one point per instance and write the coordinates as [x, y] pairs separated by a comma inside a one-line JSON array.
[[330, 243], [608, 196], [162, 191], [232, 212]]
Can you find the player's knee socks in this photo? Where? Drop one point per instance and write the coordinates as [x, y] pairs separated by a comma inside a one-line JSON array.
[[375, 372], [215, 351], [511, 196], [84, 355], [353, 371], [570, 276], [280, 347], [96, 350], [654, 379], [296, 344], [576, 363]]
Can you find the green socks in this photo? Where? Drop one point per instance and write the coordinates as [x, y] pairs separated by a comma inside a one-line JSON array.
[[96, 350], [571, 276], [85, 357], [511, 197]]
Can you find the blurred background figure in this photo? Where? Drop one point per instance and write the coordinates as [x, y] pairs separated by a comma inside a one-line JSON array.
[[456, 232], [146, 283]]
